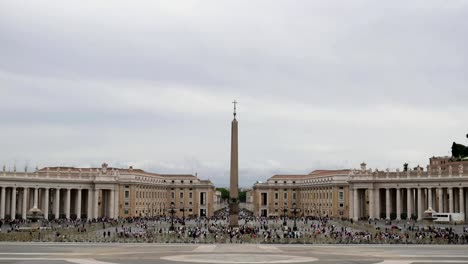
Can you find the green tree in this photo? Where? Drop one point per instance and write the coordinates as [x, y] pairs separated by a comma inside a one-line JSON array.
[[242, 197], [224, 193]]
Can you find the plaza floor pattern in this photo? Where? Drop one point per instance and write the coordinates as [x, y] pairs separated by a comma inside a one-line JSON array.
[[58, 253]]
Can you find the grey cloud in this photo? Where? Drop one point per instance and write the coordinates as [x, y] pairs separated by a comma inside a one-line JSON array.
[[321, 84]]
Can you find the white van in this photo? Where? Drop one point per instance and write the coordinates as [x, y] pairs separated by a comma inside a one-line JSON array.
[[448, 218]]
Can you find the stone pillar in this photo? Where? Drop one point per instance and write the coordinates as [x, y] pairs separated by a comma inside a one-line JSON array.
[[7, 201], [387, 204], [13, 203], [46, 203], [78, 204], [441, 200], [409, 203], [57, 203], [2, 203], [112, 204], [377, 203], [356, 205], [420, 207], [67, 204], [25, 202], [371, 203], [461, 199], [429, 198], [450, 193], [234, 176], [96, 205], [398, 204], [36, 197], [351, 203], [90, 204]]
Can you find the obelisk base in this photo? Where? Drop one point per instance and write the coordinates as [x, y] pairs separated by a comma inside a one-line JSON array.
[[234, 215]]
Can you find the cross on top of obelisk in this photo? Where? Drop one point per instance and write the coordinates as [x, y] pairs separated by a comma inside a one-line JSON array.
[[235, 104]]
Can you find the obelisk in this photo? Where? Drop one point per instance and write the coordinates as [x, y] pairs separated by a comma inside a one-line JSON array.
[[234, 176]]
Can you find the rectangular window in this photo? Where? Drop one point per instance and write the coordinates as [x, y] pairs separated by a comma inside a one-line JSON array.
[[127, 194], [341, 195], [264, 200], [190, 195], [285, 196], [276, 196], [172, 195], [341, 205], [294, 196], [181, 195]]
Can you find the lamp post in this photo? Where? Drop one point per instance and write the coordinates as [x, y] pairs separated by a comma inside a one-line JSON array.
[[172, 217], [284, 216], [183, 215], [294, 211]]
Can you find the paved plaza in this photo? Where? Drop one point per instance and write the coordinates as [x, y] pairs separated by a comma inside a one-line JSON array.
[[232, 253]]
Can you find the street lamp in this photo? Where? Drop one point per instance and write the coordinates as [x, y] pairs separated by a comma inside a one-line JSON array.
[[294, 211], [183, 215], [172, 217], [284, 216]]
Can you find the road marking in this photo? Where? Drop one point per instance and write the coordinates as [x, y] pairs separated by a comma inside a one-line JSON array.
[[87, 261], [205, 248], [239, 258], [421, 261], [269, 248], [77, 261]]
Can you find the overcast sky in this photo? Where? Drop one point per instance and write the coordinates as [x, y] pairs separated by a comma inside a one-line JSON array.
[[320, 84]]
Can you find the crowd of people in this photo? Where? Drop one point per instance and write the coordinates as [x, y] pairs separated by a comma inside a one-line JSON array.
[[251, 230]]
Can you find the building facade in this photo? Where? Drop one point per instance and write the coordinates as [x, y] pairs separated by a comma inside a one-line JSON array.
[[444, 162], [68, 192], [399, 195], [319, 193]]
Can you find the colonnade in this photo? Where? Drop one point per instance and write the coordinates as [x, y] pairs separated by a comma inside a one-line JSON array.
[[400, 202], [55, 203]]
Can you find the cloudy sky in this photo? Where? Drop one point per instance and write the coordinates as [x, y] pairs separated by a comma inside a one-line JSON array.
[[320, 84]]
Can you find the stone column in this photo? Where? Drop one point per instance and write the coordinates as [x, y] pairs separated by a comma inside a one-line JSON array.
[[371, 203], [46, 203], [409, 202], [78, 204], [13, 203], [429, 198], [2, 203], [356, 205], [112, 204], [67, 204], [441, 200], [398, 204], [450, 193], [36, 197], [25, 202], [461, 198], [96, 205], [57, 203], [7, 201], [387, 205], [90, 204], [351, 204], [420, 207], [377, 203]]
